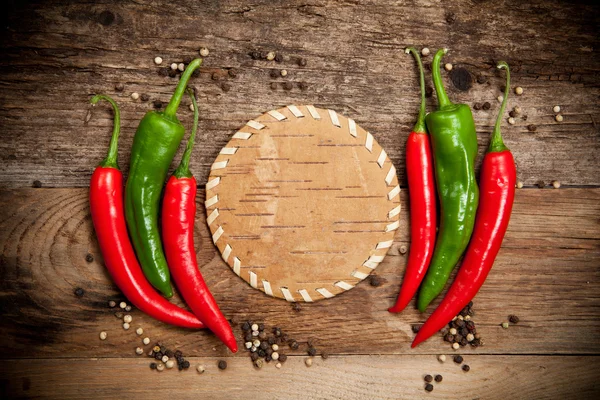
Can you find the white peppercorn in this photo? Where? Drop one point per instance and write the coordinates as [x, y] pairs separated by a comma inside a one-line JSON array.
[[192, 107], [425, 51], [174, 66], [103, 335], [170, 364], [135, 96], [128, 318], [200, 369], [556, 109], [204, 52], [505, 325], [555, 184], [146, 341], [125, 326], [164, 359], [284, 72], [452, 331], [139, 351], [160, 367], [517, 110], [511, 121], [139, 331], [248, 345], [275, 347], [181, 67], [500, 98], [111, 304], [470, 337], [441, 358], [275, 356], [278, 365], [128, 307], [448, 67], [254, 327], [271, 56], [559, 118], [158, 60], [455, 346], [256, 342], [519, 185], [519, 90], [122, 304], [308, 361]]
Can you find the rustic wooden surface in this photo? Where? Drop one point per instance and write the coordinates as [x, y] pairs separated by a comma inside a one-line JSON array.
[[55, 55]]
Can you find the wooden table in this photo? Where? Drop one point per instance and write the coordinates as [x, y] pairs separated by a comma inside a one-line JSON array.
[[55, 55]]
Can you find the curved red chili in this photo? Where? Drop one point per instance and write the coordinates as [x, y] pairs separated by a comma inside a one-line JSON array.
[[178, 214], [421, 190], [106, 205], [497, 185]]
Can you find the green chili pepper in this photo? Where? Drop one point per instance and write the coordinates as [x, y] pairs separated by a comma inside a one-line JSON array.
[[154, 146], [454, 143]]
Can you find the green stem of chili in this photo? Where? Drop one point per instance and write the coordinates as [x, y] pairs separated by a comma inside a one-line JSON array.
[[437, 80], [183, 170], [496, 143], [111, 159], [178, 95], [420, 125]]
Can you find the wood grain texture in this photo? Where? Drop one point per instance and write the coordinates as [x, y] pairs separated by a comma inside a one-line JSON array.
[[339, 377], [302, 207], [546, 273], [56, 55]]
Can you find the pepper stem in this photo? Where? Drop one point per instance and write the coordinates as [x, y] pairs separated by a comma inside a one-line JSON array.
[[420, 125], [496, 143], [111, 159], [183, 170], [437, 79], [183, 81]]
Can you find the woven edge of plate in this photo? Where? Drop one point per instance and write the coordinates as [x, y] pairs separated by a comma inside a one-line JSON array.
[[253, 127]]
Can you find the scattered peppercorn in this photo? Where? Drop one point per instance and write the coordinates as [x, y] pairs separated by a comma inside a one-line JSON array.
[[312, 351], [519, 90], [302, 85], [428, 378], [429, 387], [458, 359], [486, 105], [226, 87], [153, 365], [172, 73], [466, 368], [222, 364], [481, 79], [505, 325], [279, 57], [555, 184], [559, 118], [79, 292], [145, 97], [135, 95], [438, 378], [119, 87], [513, 319], [254, 356], [425, 51], [282, 358], [273, 85], [531, 128], [416, 328], [103, 335], [112, 304], [283, 72], [450, 17], [90, 258], [255, 55], [477, 106], [288, 86], [428, 91], [308, 362], [375, 280], [441, 358], [270, 56], [302, 62], [540, 184], [512, 114]]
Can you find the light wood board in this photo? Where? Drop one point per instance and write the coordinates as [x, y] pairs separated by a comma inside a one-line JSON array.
[[303, 203]]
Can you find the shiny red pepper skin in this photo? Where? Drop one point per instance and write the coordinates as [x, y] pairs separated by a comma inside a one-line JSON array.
[[106, 205], [178, 215], [421, 191], [497, 192]]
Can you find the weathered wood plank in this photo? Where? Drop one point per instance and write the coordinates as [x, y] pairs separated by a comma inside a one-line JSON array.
[[56, 55], [354, 377], [547, 274]]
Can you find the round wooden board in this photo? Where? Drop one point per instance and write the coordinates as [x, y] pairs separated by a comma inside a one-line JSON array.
[[302, 203]]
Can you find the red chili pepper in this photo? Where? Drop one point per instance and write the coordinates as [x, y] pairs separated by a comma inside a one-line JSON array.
[[421, 189], [497, 191], [106, 204], [178, 214]]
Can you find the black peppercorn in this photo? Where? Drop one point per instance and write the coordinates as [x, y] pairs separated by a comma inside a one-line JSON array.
[[255, 55], [157, 104], [429, 387], [288, 86], [282, 358], [284, 337], [222, 364], [428, 91], [375, 280], [273, 85], [278, 57], [261, 327], [450, 17], [274, 73], [158, 355], [513, 319], [246, 326], [276, 331], [415, 328], [481, 79], [185, 364], [254, 356], [37, 184], [232, 73], [324, 355], [439, 378], [464, 331], [486, 105], [172, 73], [458, 337], [464, 312], [152, 365], [264, 345], [169, 353], [163, 71], [294, 345], [531, 128], [470, 326], [145, 97], [302, 62], [79, 292], [178, 353], [460, 323], [464, 342], [248, 337], [477, 106], [271, 340], [268, 351], [187, 59], [261, 353], [470, 304], [466, 368], [540, 184], [512, 114], [119, 87], [302, 85], [312, 351], [458, 359], [89, 258], [296, 307], [226, 87], [428, 378], [449, 337]]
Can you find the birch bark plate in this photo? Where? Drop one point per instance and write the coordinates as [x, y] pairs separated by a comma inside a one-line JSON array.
[[302, 203]]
